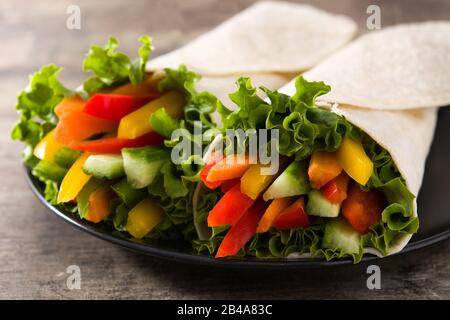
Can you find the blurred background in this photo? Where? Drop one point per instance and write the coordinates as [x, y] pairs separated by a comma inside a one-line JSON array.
[[36, 247]]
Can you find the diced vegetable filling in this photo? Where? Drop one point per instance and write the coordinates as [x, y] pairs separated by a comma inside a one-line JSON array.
[[319, 181]]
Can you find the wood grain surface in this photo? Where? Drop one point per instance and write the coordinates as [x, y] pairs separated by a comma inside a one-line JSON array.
[[36, 247]]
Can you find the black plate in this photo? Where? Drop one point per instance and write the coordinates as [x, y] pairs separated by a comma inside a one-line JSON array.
[[433, 205]]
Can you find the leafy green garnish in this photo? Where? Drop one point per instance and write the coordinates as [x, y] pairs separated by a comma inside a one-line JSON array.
[[163, 123], [112, 68], [35, 106]]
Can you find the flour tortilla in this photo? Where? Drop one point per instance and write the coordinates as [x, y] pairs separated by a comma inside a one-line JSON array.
[[401, 67], [406, 134], [267, 37], [270, 42]]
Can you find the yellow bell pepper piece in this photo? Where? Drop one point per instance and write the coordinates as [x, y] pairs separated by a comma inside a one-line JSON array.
[[354, 160], [74, 180], [137, 123], [47, 147], [253, 182], [146, 215]]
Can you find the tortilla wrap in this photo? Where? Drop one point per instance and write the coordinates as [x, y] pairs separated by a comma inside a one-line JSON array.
[[401, 67], [270, 41], [406, 134], [397, 68]]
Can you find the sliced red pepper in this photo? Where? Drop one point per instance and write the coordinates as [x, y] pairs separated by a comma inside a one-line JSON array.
[[230, 207], [115, 145], [363, 209], [241, 232], [228, 184], [336, 190], [293, 216], [113, 107]]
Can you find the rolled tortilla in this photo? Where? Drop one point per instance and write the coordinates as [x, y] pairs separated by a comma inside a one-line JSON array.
[[406, 134], [401, 67], [270, 41]]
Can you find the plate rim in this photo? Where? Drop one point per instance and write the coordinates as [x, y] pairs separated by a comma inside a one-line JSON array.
[[194, 259]]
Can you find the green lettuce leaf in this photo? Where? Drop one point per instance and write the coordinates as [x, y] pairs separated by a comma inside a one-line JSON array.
[[35, 106], [163, 123], [113, 68]]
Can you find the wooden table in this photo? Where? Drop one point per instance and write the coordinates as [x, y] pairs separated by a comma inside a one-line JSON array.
[[36, 247]]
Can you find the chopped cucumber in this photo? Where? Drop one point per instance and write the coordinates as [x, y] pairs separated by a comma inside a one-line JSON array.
[[66, 157], [142, 165], [104, 166], [46, 170], [292, 182], [320, 206], [127, 193], [340, 235]]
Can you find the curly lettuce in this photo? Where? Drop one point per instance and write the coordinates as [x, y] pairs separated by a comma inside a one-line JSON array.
[[113, 68]]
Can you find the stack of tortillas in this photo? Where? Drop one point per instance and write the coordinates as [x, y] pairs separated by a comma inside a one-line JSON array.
[[389, 83]]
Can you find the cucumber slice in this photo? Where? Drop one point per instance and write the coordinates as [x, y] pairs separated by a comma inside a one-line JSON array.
[[66, 157], [340, 235], [292, 182], [46, 170], [142, 165], [104, 166], [318, 205]]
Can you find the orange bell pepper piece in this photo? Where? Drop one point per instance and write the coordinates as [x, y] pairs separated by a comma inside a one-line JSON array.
[[99, 204], [323, 167]]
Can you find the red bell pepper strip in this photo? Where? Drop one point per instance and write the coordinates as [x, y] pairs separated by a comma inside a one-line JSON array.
[[228, 184], [336, 190], [241, 232], [230, 207], [115, 145], [113, 107], [293, 216], [363, 209]]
